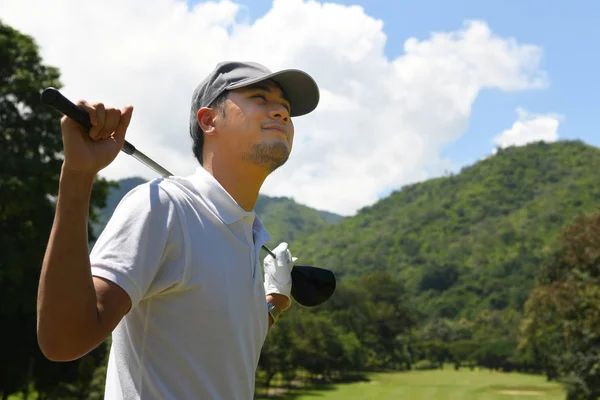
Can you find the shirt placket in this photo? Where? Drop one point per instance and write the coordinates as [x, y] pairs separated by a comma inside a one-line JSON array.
[[249, 236]]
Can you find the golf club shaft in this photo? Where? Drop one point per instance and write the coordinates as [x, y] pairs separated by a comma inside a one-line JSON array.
[[53, 98], [147, 161]]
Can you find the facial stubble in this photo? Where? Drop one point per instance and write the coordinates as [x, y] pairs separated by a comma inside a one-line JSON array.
[[269, 156]]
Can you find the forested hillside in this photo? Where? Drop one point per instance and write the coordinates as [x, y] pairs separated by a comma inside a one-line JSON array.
[[471, 241], [289, 221]]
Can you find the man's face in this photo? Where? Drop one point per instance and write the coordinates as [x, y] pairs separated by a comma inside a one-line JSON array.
[[256, 125]]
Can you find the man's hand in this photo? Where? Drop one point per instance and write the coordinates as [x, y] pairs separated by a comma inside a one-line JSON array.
[[87, 153], [278, 273]]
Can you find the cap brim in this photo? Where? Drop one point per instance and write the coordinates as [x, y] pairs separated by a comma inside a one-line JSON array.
[[299, 87]]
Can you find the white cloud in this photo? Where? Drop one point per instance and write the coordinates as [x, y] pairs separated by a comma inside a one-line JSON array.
[[381, 122], [530, 128]]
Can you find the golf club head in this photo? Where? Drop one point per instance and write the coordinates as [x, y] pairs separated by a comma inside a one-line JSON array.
[[312, 286]]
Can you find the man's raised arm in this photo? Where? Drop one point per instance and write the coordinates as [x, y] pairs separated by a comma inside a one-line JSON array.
[[76, 312]]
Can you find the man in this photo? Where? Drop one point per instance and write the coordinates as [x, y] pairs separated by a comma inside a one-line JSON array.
[[175, 275]]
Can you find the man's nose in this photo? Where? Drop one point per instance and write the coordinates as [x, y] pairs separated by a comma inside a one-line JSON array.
[[279, 111]]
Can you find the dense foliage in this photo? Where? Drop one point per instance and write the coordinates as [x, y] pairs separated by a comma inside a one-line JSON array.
[[561, 328], [366, 326]]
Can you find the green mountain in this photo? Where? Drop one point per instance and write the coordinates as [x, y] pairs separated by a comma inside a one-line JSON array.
[[289, 221], [285, 219], [471, 241]]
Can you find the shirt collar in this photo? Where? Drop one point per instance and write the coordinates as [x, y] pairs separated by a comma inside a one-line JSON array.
[[220, 203], [216, 198]]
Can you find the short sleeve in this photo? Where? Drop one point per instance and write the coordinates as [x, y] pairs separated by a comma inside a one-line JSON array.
[[140, 247]]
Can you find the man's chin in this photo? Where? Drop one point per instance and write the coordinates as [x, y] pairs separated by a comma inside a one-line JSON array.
[[269, 156]]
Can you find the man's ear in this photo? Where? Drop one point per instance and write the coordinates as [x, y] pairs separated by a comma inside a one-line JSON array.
[[205, 118]]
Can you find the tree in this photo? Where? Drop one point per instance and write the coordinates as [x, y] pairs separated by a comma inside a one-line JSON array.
[[389, 318], [438, 277], [30, 161], [561, 328], [277, 353]]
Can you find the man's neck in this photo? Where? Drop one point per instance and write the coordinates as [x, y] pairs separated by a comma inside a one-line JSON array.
[[242, 180]]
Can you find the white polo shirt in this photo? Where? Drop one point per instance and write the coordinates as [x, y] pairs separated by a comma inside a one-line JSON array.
[[188, 257]]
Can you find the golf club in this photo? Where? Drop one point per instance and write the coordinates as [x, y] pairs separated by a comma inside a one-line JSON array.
[[311, 286]]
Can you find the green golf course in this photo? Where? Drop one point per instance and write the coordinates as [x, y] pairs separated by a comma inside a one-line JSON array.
[[446, 384]]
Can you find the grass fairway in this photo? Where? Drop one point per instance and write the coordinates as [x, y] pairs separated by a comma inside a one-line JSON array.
[[446, 384]]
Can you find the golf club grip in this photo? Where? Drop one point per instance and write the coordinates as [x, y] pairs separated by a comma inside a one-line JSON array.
[[55, 99]]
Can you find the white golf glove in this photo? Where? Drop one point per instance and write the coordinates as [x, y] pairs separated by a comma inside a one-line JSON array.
[[278, 273]]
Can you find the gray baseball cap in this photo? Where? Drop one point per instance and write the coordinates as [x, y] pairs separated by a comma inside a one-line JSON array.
[[299, 87]]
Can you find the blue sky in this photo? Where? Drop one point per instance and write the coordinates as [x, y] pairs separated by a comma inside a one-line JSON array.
[[567, 31]]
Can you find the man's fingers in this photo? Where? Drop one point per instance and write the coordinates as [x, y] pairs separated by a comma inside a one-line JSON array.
[[113, 117], [96, 131], [69, 124], [121, 129], [90, 109], [282, 247]]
